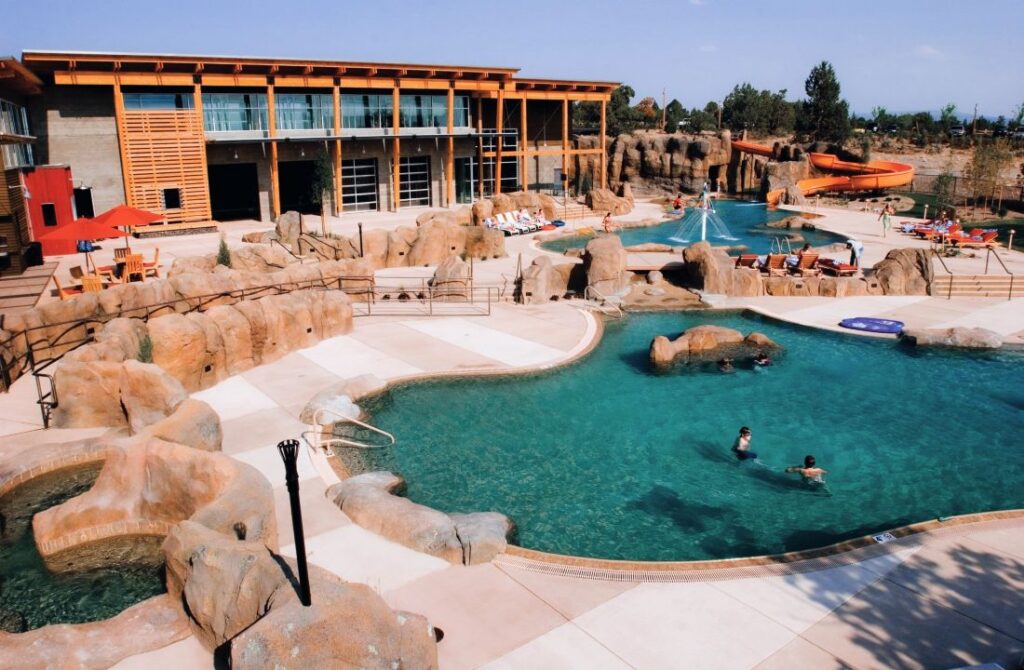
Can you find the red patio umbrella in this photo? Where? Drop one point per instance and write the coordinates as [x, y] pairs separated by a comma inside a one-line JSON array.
[[83, 230], [127, 217]]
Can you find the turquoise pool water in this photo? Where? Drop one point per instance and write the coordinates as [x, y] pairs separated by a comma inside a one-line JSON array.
[[32, 597], [745, 220], [609, 459]]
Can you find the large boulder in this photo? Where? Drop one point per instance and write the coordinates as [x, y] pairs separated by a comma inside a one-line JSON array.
[[705, 341], [192, 265], [260, 258], [709, 269], [605, 262], [401, 520], [148, 394], [484, 243], [328, 406], [482, 210], [484, 535], [967, 338], [179, 344], [451, 280], [544, 281], [193, 423], [503, 203], [347, 627], [603, 200], [288, 229], [225, 583], [905, 272], [400, 242], [89, 393], [445, 216], [550, 206], [434, 243]]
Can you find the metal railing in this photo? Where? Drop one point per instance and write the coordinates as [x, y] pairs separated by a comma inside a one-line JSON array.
[[326, 446], [605, 305], [989, 252]]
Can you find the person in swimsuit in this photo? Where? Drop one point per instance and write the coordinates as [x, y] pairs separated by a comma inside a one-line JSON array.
[[607, 222], [725, 365], [884, 217], [811, 473], [761, 359], [741, 447]]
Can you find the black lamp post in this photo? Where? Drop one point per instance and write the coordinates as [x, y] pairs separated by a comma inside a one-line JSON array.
[[290, 455], [360, 224]]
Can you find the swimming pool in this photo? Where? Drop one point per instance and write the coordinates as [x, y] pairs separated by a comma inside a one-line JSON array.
[[608, 459], [745, 220]]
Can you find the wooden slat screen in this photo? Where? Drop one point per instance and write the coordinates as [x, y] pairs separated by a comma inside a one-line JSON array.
[[166, 149]]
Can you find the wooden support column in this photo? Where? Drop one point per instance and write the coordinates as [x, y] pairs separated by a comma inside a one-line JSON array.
[[197, 103], [524, 167], [449, 170], [396, 149], [122, 142], [565, 140], [498, 147], [480, 147], [337, 151], [604, 148], [275, 188]]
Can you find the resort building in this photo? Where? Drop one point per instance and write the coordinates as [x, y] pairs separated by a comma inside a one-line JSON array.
[[16, 85], [200, 138]]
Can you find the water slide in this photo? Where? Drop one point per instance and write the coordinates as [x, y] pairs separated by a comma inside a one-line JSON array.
[[871, 176]]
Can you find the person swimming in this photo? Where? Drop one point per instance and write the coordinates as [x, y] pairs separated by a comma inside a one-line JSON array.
[[761, 359], [811, 473], [741, 447], [725, 365]]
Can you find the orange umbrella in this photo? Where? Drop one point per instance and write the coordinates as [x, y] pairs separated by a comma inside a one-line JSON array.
[[127, 217], [83, 230]]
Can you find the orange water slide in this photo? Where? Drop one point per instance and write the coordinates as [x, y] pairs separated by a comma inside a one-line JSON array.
[[871, 176]]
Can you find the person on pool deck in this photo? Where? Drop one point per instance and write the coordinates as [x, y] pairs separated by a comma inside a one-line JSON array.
[[794, 259], [811, 473], [885, 218], [677, 204], [741, 447], [856, 251], [761, 359]]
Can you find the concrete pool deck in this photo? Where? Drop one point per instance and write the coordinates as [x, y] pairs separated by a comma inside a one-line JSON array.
[[941, 599]]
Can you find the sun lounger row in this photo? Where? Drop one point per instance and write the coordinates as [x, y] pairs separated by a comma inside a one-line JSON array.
[[807, 264], [952, 233], [518, 223]]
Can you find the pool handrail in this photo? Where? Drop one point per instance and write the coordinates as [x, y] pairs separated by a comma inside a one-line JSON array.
[[343, 419]]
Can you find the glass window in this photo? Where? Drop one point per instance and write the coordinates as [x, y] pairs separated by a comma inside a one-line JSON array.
[[49, 214], [172, 198], [234, 111], [359, 184], [414, 181], [431, 111], [366, 111], [158, 101], [297, 111]]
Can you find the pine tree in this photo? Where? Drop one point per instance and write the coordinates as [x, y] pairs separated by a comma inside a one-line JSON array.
[[824, 115]]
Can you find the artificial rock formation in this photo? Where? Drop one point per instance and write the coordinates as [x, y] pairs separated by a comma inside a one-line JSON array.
[[146, 487], [967, 338], [603, 201], [544, 281], [906, 272], [452, 280], [370, 500], [666, 162], [701, 342], [605, 262]]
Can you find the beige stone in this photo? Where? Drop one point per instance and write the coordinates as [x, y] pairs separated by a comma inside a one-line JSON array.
[[148, 394], [178, 343], [605, 261], [89, 395], [193, 424]]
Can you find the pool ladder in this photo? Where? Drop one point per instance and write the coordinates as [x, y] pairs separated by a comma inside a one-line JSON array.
[[776, 247], [315, 438]]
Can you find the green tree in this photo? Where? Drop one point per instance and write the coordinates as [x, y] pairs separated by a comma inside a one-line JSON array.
[[1018, 114], [620, 116], [987, 163], [674, 114], [223, 253], [824, 115], [947, 116], [322, 186]]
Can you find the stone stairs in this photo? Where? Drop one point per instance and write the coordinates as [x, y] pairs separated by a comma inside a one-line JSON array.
[[978, 286]]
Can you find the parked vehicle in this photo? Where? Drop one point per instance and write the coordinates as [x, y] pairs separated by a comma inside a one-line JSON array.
[[957, 131]]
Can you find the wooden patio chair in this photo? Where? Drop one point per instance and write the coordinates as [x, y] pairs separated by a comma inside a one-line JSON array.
[[120, 253], [153, 269], [65, 293], [133, 267], [92, 284], [76, 272]]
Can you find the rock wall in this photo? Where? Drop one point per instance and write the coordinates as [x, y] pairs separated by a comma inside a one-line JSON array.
[[663, 161], [605, 261]]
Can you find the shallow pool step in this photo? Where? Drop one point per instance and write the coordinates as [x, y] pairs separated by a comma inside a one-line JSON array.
[[980, 286]]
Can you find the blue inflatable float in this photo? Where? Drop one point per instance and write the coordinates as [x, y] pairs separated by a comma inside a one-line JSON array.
[[558, 222], [871, 325]]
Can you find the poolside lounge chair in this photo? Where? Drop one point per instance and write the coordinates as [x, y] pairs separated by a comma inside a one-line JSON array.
[[775, 265], [806, 265], [834, 267], [746, 260], [981, 240]]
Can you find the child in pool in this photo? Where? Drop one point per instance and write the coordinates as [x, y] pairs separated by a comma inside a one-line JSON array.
[[741, 447]]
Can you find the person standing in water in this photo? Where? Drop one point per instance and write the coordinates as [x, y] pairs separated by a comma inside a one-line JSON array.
[[741, 447], [607, 222], [811, 473]]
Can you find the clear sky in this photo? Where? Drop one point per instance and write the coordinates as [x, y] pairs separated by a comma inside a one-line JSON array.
[[906, 55]]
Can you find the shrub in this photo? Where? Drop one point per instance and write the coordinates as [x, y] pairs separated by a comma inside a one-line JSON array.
[[223, 253], [145, 349]]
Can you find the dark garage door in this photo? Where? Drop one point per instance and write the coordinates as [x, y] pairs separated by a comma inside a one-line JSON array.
[[296, 186], [234, 192]]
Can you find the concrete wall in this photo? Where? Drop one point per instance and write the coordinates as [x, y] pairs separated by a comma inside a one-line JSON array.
[[75, 126]]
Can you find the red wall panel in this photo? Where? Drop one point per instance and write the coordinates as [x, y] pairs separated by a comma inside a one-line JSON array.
[[50, 184]]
